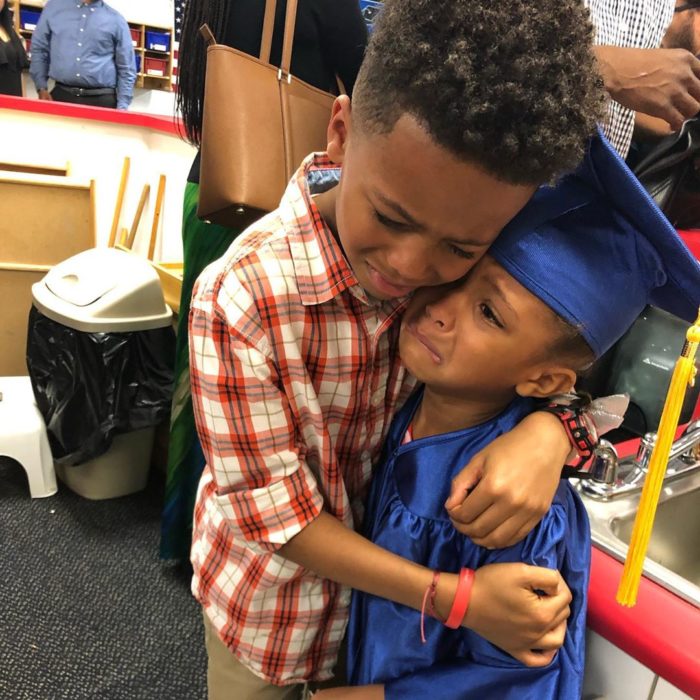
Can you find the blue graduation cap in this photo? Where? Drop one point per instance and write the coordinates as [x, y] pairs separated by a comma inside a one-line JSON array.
[[596, 249]]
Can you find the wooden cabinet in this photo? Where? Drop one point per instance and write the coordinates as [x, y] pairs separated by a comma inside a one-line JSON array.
[[153, 49], [153, 45]]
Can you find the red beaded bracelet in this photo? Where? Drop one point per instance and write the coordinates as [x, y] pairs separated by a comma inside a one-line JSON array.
[[463, 595], [429, 596]]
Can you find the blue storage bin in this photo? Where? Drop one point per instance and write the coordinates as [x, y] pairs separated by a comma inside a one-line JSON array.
[[137, 59], [157, 41], [370, 9], [28, 19]]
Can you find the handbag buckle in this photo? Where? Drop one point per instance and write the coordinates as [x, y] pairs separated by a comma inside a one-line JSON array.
[[281, 74]]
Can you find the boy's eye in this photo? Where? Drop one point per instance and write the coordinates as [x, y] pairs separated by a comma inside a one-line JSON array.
[[489, 315], [468, 255], [389, 223]]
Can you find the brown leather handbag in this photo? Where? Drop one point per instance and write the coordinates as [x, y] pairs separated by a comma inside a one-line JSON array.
[[259, 123]]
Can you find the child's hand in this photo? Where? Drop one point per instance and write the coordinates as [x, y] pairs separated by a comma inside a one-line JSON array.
[[506, 488], [506, 609]]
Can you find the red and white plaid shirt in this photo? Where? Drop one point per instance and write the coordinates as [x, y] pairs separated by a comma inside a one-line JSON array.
[[295, 378]]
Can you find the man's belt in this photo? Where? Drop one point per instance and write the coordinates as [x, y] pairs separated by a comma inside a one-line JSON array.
[[86, 92]]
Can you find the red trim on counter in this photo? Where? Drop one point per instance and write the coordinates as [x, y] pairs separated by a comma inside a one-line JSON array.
[[155, 122], [662, 631]]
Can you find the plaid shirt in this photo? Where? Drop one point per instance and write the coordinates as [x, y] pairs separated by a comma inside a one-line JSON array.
[[631, 23], [295, 378]]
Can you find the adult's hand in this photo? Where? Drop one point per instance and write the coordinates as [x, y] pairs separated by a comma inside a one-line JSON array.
[[45, 95], [521, 609], [663, 83], [507, 487]]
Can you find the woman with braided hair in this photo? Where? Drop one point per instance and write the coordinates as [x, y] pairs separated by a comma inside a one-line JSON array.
[[329, 40]]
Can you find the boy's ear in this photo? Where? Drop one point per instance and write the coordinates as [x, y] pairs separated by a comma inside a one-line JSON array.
[[339, 128], [547, 382]]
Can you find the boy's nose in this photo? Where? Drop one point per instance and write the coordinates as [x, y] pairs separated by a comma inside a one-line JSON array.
[[412, 265], [440, 314]]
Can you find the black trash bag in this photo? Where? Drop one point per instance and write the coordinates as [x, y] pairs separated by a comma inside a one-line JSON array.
[[91, 387]]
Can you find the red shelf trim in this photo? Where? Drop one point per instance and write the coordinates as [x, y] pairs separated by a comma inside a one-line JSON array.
[[155, 122]]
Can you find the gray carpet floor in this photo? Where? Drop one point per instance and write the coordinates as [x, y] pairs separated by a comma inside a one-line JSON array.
[[87, 609]]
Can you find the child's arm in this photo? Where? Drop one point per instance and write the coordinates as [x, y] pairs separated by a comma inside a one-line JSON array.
[[562, 540], [507, 487], [269, 497], [504, 607]]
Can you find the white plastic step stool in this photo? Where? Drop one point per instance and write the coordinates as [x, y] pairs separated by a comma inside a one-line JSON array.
[[23, 435]]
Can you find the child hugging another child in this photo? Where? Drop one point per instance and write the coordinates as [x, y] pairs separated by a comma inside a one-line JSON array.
[[462, 108], [565, 279]]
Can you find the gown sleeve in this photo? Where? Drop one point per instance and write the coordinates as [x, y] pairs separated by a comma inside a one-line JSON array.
[[561, 541]]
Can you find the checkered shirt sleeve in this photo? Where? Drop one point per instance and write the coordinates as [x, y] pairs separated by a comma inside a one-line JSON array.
[[632, 23], [295, 377]]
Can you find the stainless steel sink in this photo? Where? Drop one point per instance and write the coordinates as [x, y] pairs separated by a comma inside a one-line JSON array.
[[673, 557]]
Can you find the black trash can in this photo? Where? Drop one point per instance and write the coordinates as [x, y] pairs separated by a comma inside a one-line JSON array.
[[100, 354]]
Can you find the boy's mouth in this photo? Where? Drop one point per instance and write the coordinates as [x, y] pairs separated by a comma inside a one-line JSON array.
[[432, 350], [386, 286]]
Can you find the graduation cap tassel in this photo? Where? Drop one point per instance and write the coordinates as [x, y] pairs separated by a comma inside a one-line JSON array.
[[683, 376]]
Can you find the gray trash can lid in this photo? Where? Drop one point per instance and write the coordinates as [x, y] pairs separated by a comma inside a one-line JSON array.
[[103, 290]]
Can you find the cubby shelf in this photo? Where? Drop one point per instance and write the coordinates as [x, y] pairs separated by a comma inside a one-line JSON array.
[[154, 65]]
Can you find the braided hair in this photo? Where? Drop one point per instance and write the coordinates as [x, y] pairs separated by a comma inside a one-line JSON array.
[[192, 60]]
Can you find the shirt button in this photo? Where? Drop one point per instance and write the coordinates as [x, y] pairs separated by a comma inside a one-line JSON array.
[[77, 75], [84, 16], [77, 59], [364, 456], [377, 399], [81, 29], [79, 44]]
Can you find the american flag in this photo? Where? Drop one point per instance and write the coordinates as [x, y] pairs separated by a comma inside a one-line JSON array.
[[178, 8]]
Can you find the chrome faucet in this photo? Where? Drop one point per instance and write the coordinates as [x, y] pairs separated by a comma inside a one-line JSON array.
[[611, 477]]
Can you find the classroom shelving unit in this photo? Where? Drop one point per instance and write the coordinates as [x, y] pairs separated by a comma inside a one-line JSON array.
[[153, 45]]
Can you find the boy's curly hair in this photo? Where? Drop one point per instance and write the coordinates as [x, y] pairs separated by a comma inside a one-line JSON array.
[[510, 85]]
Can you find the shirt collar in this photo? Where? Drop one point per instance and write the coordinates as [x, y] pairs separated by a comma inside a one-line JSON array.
[[321, 268]]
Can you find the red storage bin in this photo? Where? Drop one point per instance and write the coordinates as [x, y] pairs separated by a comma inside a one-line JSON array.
[[155, 66], [135, 36]]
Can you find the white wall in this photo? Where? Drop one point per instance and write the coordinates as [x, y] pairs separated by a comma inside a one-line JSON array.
[[96, 150], [157, 12]]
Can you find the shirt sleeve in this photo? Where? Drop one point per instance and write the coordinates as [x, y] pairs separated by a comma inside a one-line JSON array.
[[246, 426], [41, 45], [343, 38], [126, 65]]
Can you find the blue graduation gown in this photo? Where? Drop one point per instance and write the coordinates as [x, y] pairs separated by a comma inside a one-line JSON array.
[[406, 515]]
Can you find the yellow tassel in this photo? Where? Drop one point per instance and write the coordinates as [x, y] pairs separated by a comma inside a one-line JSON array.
[[683, 375]]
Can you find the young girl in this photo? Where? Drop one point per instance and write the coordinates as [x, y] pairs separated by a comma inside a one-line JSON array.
[[527, 318]]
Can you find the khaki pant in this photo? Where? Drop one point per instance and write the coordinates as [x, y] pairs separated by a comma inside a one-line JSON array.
[[229, 679]]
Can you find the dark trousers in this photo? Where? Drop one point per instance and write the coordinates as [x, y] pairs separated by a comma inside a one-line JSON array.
[[61, 95]]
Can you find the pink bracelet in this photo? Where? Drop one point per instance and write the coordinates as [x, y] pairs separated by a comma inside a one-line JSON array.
[[429, 595], [463, 595]]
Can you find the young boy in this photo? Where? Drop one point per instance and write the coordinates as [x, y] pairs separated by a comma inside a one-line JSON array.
[[461, 109], [563, 281]]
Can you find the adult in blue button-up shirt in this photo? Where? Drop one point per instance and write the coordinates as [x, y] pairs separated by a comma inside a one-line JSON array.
[[85, 46]]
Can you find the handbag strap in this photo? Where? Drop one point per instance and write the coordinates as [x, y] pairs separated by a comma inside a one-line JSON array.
[[289, 24], [268, 29]]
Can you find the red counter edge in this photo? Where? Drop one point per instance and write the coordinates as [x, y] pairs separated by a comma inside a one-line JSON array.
[[155, 122], [662, 631]]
